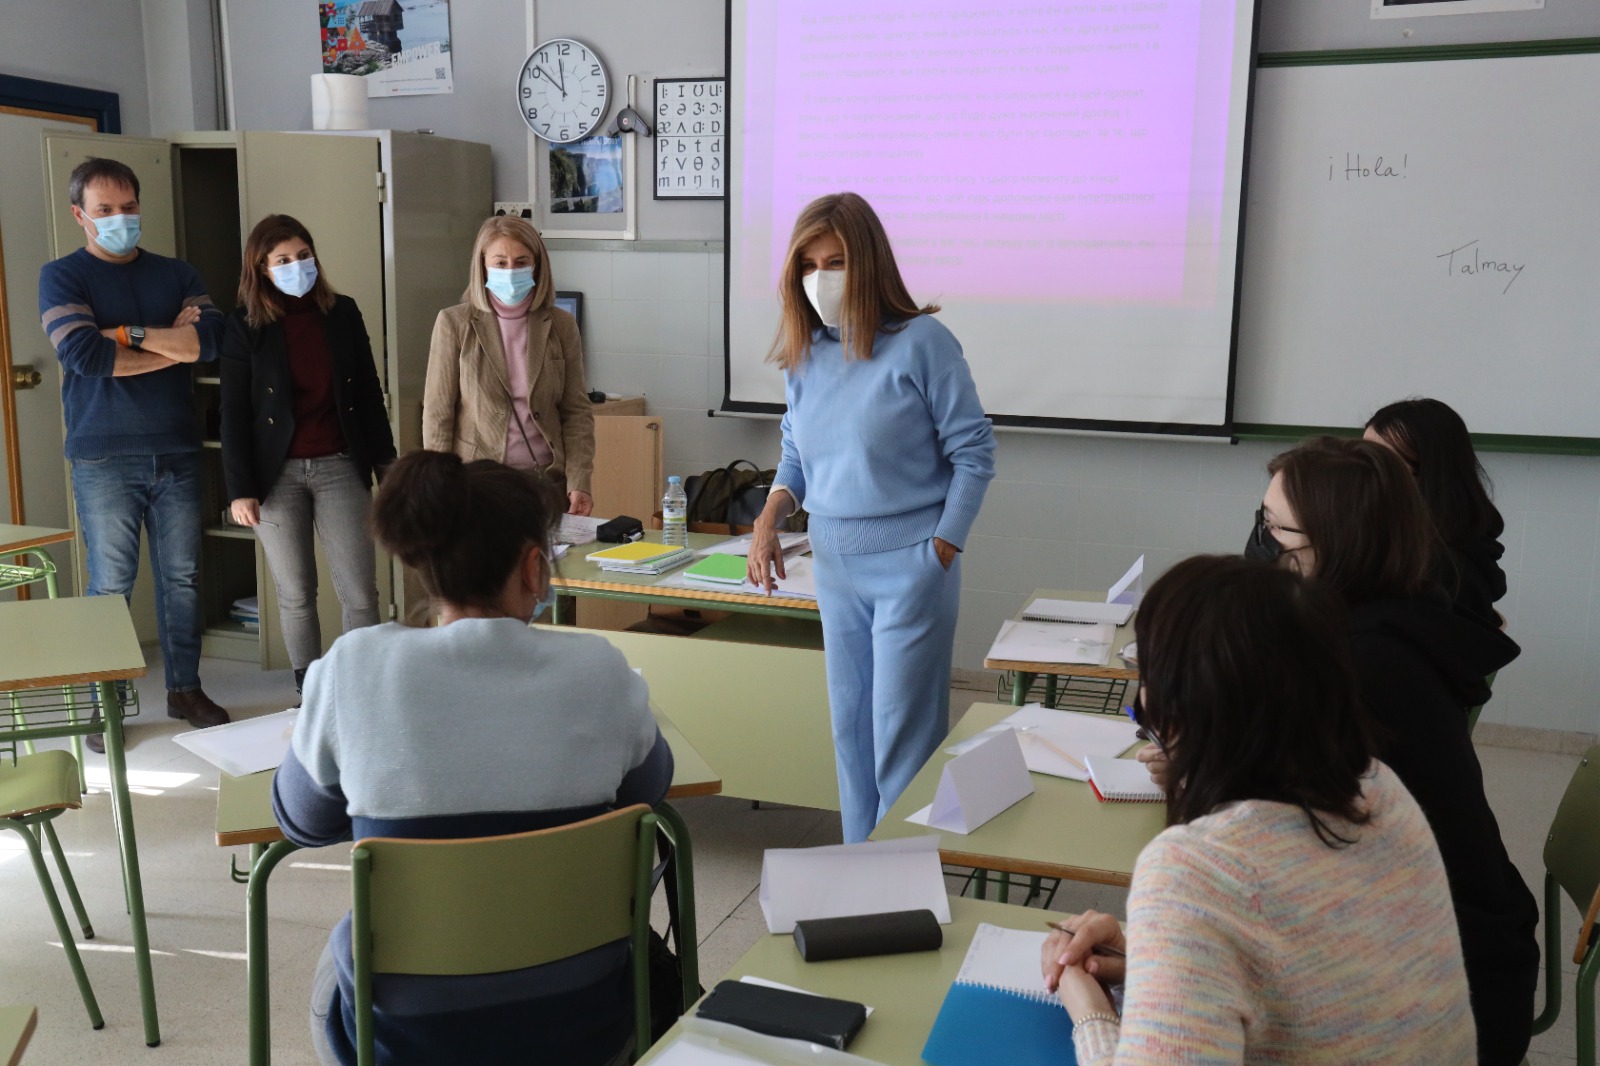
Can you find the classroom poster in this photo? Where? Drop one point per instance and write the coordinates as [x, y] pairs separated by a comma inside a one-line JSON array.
[[401, 47]]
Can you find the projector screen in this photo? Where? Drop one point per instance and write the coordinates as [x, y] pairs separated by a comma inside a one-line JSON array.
[[1064, 179]]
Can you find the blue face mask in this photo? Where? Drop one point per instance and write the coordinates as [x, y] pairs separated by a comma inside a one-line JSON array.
[[510, 285], [549, 598], [294, 278], [117, 234]]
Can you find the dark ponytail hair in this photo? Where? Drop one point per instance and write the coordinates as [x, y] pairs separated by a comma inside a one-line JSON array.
[[463, 526], [1245, 677], [1433, 440]]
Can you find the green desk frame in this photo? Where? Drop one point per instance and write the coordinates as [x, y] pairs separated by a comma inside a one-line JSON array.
[[61, 652]]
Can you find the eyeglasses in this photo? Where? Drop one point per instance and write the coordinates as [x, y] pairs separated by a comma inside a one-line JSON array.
[[1268, 526]]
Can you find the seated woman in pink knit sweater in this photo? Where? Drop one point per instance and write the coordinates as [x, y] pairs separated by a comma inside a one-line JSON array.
[[1296, 908]]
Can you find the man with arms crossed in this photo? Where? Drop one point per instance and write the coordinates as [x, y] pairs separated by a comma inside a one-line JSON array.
[[126, 323]]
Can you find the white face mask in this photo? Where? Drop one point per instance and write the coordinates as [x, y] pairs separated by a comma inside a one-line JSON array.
[[295, 277], [825, 290]]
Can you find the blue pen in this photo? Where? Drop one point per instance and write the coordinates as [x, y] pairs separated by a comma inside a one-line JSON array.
[[1141, 732]]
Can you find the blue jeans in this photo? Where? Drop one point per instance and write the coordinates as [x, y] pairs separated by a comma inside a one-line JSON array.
[[115, 497], [888, 637], [326, 494]]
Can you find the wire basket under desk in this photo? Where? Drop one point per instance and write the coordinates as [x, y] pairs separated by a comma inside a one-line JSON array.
[[41, 713]]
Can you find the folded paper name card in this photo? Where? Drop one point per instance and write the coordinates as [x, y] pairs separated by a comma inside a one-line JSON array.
[[841, 880], [978, 784]]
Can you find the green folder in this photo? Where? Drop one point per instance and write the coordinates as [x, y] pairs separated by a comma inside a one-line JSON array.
[[721, 568]]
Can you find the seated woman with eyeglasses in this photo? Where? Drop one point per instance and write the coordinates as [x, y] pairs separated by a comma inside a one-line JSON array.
[[1433, 441], [1347, 514], [1296, 908], [480, 726]]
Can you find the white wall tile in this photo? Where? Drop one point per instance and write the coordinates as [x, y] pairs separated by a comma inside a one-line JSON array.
[[683, 276], [585, 272]]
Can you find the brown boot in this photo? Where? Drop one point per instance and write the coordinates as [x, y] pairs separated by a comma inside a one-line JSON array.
[[196, 708]]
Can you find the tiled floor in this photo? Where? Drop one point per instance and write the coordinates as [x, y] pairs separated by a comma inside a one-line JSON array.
[[196, 912]]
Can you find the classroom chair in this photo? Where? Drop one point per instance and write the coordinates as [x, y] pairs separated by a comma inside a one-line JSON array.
[[489, 925], [1572, 865], [34, 790]]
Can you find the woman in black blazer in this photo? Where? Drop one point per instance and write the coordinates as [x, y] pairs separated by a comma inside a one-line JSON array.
[[304, 430]]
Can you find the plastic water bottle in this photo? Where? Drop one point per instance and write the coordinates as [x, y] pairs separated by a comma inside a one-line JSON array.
[[675, 514]]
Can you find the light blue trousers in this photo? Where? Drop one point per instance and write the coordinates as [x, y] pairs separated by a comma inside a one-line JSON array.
[[888, 630]]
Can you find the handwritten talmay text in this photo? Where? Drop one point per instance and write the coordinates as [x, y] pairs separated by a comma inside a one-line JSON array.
[[1468, 260]]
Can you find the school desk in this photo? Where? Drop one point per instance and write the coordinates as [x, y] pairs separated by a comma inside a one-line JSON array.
[[244, 816], [25, 541], [16, 1029], [59, 657], [905, 991], [1060, 831], [1112, 678], [577, 576]]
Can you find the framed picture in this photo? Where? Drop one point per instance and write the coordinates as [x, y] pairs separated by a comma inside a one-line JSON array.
[[1404, 9], [691, 117], [587, 188]]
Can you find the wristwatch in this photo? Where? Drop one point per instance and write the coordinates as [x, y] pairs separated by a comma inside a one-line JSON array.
[[136, 337]]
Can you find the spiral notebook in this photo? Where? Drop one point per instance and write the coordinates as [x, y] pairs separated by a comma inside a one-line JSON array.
[[1122, 781], [998, 1009]]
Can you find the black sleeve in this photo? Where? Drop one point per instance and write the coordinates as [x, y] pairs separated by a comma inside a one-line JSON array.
[[367, 396], [238, 411]]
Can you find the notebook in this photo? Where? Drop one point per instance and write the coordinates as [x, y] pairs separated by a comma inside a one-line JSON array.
[[998, 1009], [719, 569], [1084, 611], [1047, 642], [638, 553], [1122, 781]]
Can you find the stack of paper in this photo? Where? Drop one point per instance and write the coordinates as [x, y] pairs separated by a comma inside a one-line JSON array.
[[641, 557], [798, 581], [246, 611], [1059, 743], [247, 746], [789, 543], [842, 880], [578, 529], [1052, 642]]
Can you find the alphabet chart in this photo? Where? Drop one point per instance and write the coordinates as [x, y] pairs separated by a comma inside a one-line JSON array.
[[691, 132]]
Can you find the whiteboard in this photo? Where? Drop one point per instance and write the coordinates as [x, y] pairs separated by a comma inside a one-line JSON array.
[[1464, 265]]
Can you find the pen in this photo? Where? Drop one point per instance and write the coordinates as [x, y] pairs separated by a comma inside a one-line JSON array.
[[1142, 733], [1098, 949]]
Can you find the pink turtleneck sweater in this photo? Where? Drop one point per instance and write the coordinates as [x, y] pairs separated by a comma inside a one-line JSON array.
[[525, 447]]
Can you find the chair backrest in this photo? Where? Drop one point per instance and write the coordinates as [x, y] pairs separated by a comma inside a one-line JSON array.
[[491, 904], [1572, 850]]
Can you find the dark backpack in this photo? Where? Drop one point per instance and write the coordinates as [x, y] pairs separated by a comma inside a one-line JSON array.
[[730, 499]]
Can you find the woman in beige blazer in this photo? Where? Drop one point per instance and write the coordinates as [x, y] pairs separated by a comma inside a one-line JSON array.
[[505, 369]]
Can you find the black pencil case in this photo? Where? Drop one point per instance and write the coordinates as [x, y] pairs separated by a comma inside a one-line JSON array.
[[779, 1012], [856, 937]]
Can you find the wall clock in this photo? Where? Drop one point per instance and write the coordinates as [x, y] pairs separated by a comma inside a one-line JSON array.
[[562, 91]]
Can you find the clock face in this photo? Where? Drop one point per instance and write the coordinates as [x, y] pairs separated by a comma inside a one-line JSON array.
[[562, 91]]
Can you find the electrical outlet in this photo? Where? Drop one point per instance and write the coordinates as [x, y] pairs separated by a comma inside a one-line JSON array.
[[514, 207]]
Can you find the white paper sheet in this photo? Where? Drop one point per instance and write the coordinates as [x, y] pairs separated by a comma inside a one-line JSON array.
[[1052, 642], [1079, 735], [977, 785], [1083, 612], [843, 880], [789, 543], [247, 746], [798, 581], [579, 529]]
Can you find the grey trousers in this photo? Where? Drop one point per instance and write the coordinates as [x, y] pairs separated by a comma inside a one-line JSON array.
[[327, 495]]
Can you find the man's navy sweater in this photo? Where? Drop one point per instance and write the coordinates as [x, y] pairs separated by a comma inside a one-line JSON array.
[[143, 414]]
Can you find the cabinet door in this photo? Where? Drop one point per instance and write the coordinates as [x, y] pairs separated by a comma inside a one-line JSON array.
[[151, 160], [331, 185]]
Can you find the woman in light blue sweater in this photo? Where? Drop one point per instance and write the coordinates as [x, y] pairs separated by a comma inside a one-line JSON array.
[[886, 444]]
